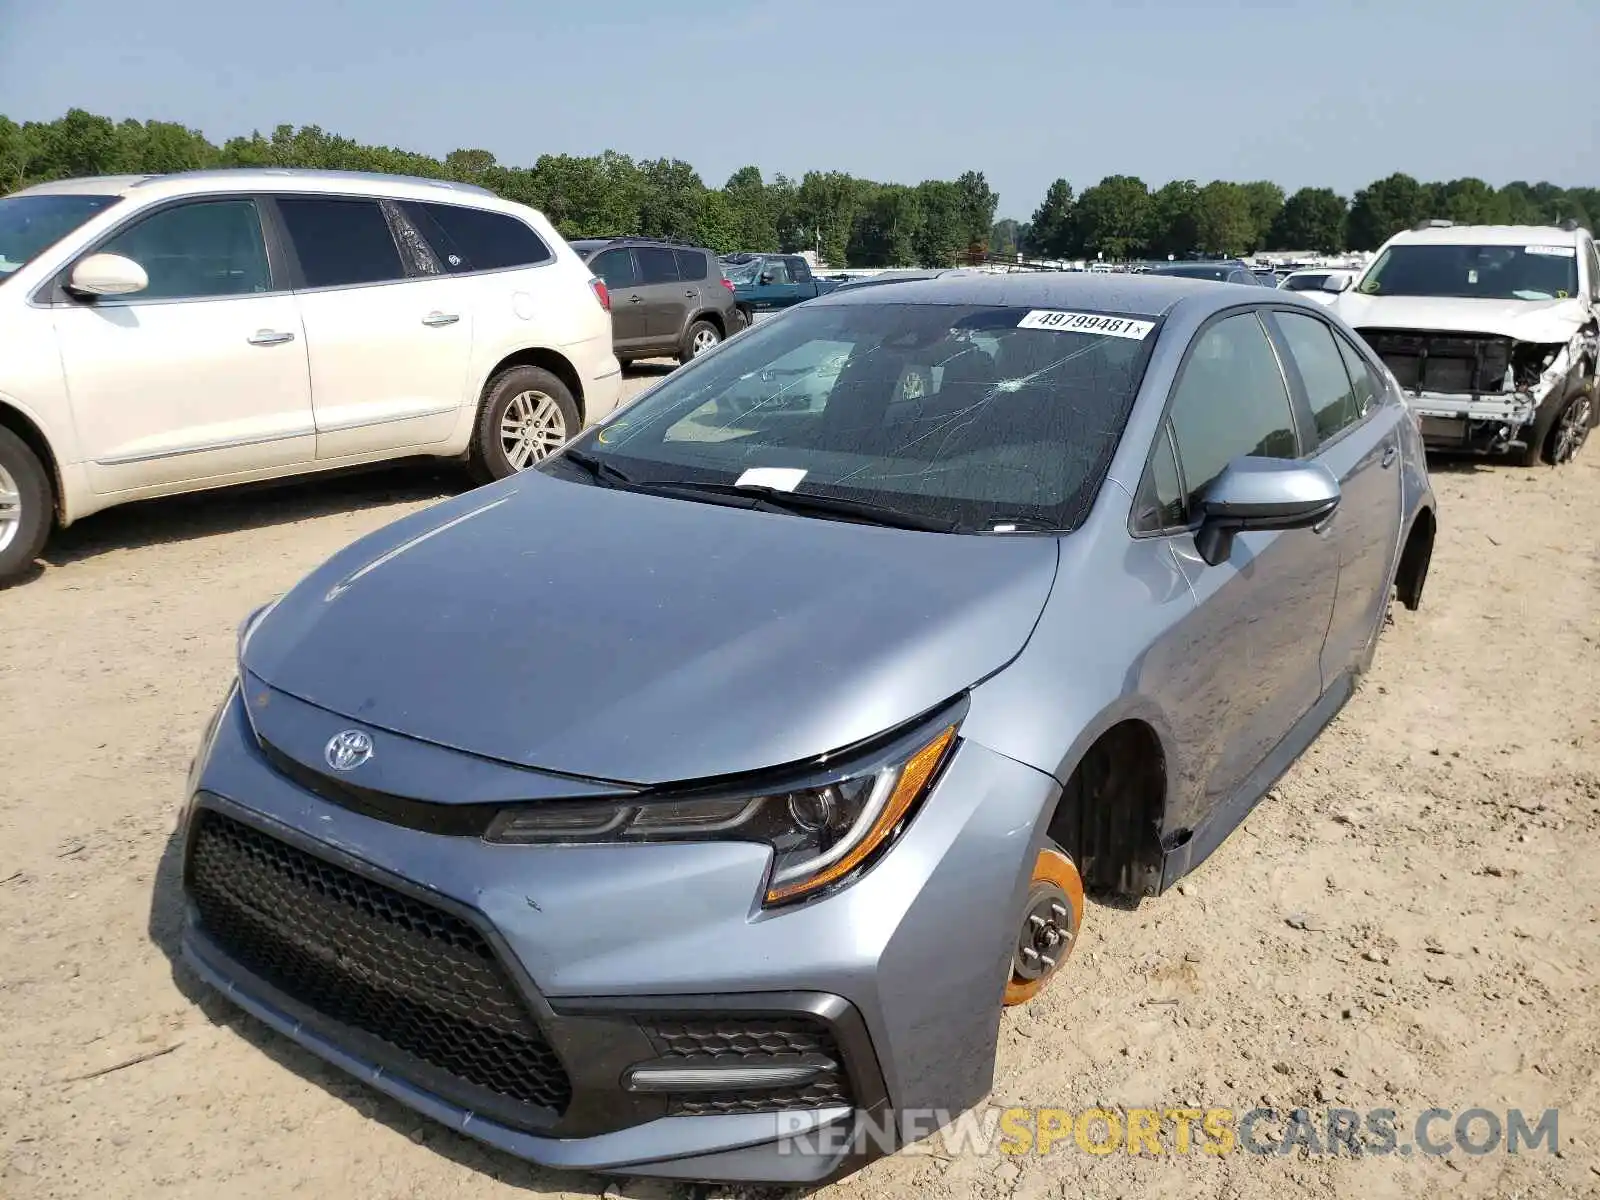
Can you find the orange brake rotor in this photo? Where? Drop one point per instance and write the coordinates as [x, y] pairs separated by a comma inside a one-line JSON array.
[[1051, 920]]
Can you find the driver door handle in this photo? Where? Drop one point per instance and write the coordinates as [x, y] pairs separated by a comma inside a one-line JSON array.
[[269, 337], [1390, 453], [689, 292], [436, 319], [635, 299]]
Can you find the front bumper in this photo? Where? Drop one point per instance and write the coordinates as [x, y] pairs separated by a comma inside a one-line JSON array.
[[904, 969], [1477, 424]]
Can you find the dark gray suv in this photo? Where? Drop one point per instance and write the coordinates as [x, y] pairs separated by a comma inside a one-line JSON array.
[[666, 299]]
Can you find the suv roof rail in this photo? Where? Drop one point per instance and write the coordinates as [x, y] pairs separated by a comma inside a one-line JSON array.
[[315, 173], [1433, 223], [638, 237], [1570, 225]]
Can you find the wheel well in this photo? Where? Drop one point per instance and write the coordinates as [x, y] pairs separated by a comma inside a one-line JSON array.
[[1109, 815], [34, 439], [550, 361], [714, 317], [1414, 559]]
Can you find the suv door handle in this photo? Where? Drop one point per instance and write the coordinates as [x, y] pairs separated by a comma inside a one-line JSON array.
[[269, 337], [435, 319], [635, 299], [690, 292], [1390, 453]]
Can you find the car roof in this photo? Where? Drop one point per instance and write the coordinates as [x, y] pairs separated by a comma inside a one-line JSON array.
[[1142, 295], [1488, 235], [248, 179]]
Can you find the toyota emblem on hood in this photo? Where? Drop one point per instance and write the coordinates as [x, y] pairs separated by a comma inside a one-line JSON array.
[[348, 750]]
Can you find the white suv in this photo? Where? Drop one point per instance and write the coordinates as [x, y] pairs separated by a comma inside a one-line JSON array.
[[1491, 331], [171, 333]]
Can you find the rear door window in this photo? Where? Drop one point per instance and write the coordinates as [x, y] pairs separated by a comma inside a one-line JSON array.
[[198, 251], [1322, 369], [341, 242], [656, 264], [1365, 381], [475, 239]]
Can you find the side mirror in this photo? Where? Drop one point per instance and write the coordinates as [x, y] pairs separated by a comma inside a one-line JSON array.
[[766, 277], [1336, 282], [1263, 493], [108, 275]]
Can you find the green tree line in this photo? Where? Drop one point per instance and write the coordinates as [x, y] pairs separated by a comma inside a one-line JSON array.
[[1121, 217], [847, 220]]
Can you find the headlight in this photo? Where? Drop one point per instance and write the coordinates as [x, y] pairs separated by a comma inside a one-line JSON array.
[[821, 833]]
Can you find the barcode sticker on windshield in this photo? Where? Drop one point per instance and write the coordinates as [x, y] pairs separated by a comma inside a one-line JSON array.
[[1552, 251], [779, 479], [1078, 322]]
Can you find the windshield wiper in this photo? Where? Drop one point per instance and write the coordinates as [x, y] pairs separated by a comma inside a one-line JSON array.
[[809, 504], [601, 471]]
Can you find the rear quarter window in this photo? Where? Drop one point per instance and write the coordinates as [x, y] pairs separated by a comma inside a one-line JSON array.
[[475, 239]]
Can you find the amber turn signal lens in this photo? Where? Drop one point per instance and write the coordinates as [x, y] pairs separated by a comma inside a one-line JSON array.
[[913, 781]]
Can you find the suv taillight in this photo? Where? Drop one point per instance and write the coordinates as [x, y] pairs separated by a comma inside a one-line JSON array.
[[600, 293], [727, 283]]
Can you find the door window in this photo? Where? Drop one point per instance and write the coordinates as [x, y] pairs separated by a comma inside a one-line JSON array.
[[1322, 369], [1362, 377], [1229, 402], [656, 264], [475, 239], [776, 270], [692, 265], [198, 251], [1160, 503], [341, 243], [799, 270], [616, 268]]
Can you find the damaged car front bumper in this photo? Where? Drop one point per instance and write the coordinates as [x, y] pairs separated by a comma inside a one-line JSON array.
[[1475, 392]]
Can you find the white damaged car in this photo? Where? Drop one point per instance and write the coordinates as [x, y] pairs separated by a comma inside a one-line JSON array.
[[1490, 331]]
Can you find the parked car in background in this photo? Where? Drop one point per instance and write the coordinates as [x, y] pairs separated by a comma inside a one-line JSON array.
[[1492, 331], [170, 333], [1321, 284], [667, 299], [1225, 271], [723, 780], [769, 283]]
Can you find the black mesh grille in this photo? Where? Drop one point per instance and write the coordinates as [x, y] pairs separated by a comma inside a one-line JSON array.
[[751, 1042], [370, 958]]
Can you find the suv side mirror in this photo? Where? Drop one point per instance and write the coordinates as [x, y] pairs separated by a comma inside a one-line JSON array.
[[766, 277], [1337, 282], [1263, 493], [108, 275]]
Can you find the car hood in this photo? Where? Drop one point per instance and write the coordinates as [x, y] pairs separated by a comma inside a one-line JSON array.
[[641, 639], [1524, 320]]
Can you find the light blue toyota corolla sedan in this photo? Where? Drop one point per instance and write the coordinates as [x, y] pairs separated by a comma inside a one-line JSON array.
[[691, 805]]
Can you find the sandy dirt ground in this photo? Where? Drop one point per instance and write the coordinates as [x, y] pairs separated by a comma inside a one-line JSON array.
[[1408, 922]]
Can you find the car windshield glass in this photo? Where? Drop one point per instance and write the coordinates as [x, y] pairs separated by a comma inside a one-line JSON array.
[[740, 272], [29, 225], [980, 418], [1531, 272]]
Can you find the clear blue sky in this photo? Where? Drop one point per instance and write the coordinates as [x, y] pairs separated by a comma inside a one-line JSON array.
[[1323, 92]]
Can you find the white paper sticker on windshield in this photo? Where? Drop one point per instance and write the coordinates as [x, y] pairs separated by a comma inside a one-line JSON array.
[[1079, 322], [1552, 251], [779, 479]]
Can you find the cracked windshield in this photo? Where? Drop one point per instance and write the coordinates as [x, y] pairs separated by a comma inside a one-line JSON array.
[[971, 418]]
